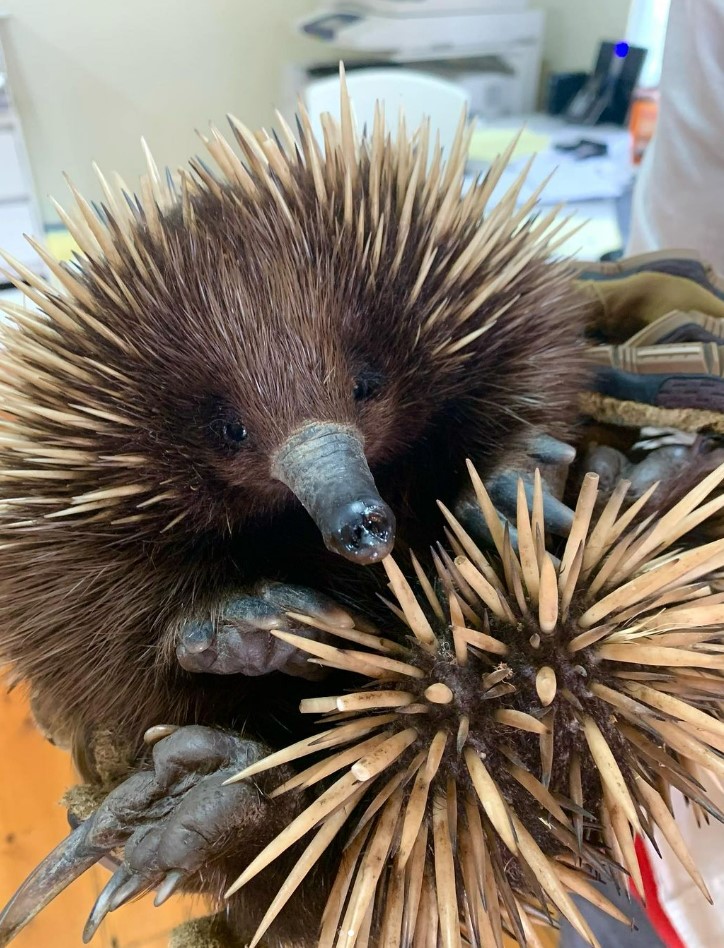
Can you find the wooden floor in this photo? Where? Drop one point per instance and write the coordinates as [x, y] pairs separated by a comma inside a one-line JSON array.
[[34, 777]]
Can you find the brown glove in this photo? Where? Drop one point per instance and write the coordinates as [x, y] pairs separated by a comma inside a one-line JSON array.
[[657, 332]]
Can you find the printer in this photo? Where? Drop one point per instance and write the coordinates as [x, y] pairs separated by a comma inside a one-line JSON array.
[[492, 48]]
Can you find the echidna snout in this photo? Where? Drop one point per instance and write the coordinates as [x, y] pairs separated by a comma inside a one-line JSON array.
[[324, 465]]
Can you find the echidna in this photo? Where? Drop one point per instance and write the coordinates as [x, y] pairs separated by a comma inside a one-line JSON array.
[[230, 348], [304, 331], [535, 722]]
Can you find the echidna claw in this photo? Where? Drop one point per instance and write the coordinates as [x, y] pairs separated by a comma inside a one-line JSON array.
[[88, 844], [503, 491], [137, 885], [167, 888], [549, 450], [104, 902]]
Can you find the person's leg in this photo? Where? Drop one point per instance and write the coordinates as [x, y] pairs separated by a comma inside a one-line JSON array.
[[609, 932]]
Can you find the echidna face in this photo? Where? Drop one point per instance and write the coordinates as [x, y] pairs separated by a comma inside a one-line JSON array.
[[271, 390], [287, 354]]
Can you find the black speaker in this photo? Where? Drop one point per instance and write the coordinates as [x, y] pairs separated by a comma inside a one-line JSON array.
[[562, 87], [606, 96]]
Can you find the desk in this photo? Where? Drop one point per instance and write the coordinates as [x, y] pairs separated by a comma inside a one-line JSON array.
[[595, 190]]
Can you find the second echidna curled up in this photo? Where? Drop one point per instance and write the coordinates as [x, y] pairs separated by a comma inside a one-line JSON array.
[[532, 727]]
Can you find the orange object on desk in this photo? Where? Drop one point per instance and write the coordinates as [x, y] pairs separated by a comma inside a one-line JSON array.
[[642, 123]]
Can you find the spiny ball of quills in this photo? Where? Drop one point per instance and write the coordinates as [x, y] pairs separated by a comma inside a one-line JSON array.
[[533, 725]]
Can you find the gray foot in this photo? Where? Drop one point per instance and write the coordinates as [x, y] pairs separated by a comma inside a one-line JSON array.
[[553, 457], [236, 640]]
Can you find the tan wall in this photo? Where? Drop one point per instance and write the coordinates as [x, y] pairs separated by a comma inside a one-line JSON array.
[[574, 28], [92, 76]]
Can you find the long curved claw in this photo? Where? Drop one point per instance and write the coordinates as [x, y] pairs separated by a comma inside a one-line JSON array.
[[169, 885], [93, 840], [66, 863], [104, 902], [167, 822], [123, 887], [136, 886]]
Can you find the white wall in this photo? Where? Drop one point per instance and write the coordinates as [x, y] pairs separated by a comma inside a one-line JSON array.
[[92, 76]]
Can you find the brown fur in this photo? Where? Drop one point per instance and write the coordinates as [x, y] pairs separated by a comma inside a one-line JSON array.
[[250, 297]]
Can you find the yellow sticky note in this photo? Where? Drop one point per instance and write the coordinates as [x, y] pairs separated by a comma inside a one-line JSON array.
[[60, 244], [488, 143]]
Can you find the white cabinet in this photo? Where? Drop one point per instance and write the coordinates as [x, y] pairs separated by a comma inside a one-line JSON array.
[[12, 179], [18, 207], [16, 219]]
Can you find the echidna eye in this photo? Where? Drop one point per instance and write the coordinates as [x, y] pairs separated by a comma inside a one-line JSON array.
[[367, 385], [233, 432], [227, 428]]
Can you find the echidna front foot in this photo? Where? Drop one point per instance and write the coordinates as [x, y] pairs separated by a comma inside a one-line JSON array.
[[171, 821], [504, 494], [548, 456], [236, 641]]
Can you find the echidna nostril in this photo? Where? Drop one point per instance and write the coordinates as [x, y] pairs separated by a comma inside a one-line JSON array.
[[376, 523], [353, 535], [365, 532]]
